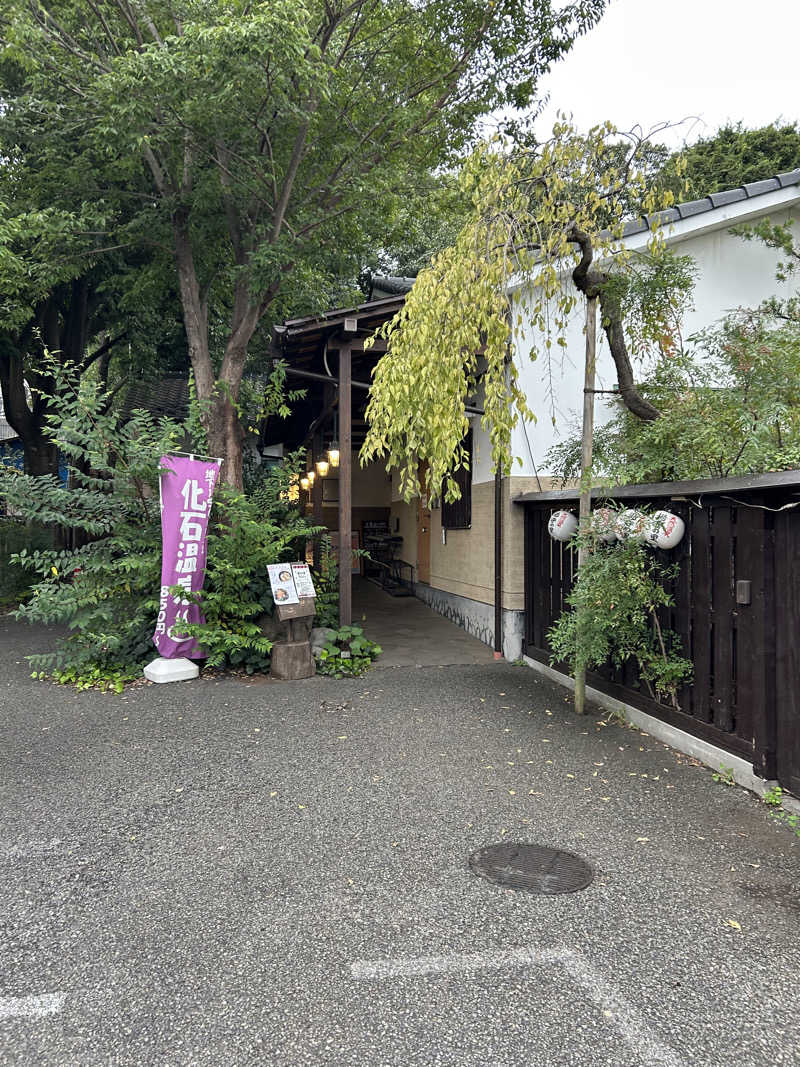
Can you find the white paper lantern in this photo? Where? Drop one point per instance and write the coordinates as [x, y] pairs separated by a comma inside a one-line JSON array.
[[603, 521], [631, 525], [562, 525], [665, 530]]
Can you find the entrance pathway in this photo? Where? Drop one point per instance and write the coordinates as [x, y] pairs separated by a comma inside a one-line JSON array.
[[410, 633]]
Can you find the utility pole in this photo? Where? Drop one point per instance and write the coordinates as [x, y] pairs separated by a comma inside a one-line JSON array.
[[585, 507]]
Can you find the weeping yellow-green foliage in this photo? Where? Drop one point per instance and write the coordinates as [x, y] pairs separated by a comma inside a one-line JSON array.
[[453, 338]]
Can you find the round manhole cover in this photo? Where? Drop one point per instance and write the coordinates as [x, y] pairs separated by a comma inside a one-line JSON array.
[[532, 867]]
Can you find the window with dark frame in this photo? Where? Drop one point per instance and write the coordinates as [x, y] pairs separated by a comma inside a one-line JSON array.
[[458, 514]]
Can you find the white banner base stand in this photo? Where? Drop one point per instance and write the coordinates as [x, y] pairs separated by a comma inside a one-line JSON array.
[[171, 670]]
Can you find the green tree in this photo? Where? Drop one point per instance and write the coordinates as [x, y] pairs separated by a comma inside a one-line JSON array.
[[69, 296], [725, 159], [729, 402], [551, 220], [731, 156], [271, 133], [735, 155]]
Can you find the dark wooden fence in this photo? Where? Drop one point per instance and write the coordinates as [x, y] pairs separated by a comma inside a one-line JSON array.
[[746, 655]]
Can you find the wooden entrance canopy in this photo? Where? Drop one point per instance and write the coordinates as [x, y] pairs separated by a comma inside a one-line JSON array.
[[305, 345]]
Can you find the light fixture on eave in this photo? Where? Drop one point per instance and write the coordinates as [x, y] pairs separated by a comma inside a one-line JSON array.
[[322, 466], [333, 451]]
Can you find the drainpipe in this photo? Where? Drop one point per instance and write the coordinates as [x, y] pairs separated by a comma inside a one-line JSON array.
[[498, 564]]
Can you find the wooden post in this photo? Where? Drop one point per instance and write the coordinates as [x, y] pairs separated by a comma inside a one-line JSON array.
[[316, 492], [498, 564], [585, 506], [345, 486]]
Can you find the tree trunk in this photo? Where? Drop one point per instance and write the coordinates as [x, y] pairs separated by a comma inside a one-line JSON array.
[[225, 437], [40, 455], [217, 398], [593, 284]]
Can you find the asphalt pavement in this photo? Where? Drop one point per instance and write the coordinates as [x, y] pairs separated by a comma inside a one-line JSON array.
[[223, 872]]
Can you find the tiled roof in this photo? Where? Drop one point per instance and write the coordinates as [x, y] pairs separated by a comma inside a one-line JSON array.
[[168, 396], [387, 285], [690, 208]]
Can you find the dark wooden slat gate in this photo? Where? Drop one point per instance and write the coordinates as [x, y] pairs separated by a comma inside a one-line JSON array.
[[787, 651], [743, 640]]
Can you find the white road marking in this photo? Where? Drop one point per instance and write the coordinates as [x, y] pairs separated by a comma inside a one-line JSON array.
[[31, 1007], [419, 966], [28, 849], [629, 1022]]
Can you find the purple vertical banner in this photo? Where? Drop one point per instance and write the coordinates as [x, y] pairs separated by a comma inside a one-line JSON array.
[[187, 486]]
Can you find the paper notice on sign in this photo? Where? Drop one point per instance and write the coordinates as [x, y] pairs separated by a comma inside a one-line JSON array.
[[302, 580], [282, 582]]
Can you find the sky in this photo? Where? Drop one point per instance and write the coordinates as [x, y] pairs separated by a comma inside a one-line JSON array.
[[708, 61]]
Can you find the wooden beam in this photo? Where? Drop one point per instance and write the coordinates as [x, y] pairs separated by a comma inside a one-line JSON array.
[[356, 344], [345, 486], [378, 346], [315, 377]]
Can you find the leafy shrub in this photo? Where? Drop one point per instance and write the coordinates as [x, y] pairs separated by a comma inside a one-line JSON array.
[[326, 586], [106, 590], [246, 534], [347, 653], [614, 617]]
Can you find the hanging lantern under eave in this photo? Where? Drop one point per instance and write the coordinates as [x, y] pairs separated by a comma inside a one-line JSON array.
[[311, 475], [333, 455], [305, 484], [322, 466]]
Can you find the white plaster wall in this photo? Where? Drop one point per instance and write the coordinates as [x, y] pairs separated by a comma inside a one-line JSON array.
[[482, 470], [733, 273], [481, 459]]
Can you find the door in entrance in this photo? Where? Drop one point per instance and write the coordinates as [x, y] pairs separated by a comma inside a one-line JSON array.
[[423, 529]]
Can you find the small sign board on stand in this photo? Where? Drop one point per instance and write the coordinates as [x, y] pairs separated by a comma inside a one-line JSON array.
[[282, 583], [292, 590], [295, 598]]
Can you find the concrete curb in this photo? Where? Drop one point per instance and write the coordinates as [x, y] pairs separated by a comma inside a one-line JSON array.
[[711, 755]]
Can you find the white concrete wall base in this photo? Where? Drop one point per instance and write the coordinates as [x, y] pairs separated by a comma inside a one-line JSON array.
[[476, 617], [171, 670], [704, 751]]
